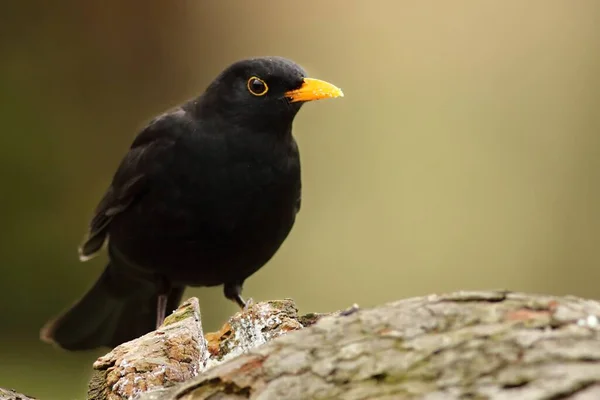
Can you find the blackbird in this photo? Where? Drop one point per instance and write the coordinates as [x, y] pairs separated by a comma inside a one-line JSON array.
[[205, 196]]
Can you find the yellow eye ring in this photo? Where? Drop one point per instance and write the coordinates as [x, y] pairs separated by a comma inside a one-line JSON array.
[[257, 86]]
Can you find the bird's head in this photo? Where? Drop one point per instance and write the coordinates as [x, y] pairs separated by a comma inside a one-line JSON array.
[[262, 92]]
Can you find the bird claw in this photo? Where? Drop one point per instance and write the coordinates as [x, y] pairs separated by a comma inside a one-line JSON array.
[[161, 308], [249, 304], [350, 310]]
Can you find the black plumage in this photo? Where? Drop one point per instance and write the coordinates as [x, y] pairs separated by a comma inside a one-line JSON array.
[[205, 196]]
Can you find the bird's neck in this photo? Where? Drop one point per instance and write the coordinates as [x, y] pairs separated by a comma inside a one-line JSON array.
[[279, 126]]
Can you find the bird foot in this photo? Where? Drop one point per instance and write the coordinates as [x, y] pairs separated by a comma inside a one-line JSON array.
[[161, 309], [248, 304], [234, 293]]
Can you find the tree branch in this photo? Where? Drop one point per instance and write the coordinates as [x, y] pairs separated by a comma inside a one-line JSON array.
[[6, 394], [476, 345], [480, 345]]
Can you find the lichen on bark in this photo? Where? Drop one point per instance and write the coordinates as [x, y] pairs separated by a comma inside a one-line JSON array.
[[476, 345], [492, 345]]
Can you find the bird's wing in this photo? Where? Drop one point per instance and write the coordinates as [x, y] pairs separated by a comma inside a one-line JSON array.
[[149, 149]]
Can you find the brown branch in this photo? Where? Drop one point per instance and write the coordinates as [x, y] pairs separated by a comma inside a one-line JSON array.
[[476, 345], [6, 394], [487, 345], [179, 350]]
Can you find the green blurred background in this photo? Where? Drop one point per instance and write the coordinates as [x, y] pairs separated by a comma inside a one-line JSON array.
[[466, 153]]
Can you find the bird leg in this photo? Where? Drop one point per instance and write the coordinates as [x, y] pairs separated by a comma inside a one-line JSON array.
[[161, 309], [233, 292], [164, 287]]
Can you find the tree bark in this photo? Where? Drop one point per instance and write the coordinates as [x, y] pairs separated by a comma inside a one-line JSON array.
[[466, 345], [6, 394]]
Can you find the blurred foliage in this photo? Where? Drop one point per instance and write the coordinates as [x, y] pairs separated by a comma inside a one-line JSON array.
[[464, 155]]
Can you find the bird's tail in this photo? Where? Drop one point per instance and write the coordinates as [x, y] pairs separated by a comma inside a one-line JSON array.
[[118, 308]]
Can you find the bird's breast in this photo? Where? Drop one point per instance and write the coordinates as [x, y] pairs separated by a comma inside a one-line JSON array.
[[230, 190], [218, 212]]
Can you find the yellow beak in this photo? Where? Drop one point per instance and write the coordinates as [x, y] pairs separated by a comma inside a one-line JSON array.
[[314, 89]]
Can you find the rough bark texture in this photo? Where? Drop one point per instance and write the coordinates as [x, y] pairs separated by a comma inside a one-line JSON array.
[[178, 350], [466, 345], [174, 353], [6, 394]]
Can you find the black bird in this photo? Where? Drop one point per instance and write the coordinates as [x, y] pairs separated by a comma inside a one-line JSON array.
[[205, 196]]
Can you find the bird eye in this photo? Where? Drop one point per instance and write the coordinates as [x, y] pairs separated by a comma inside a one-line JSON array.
[[257, 86]]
